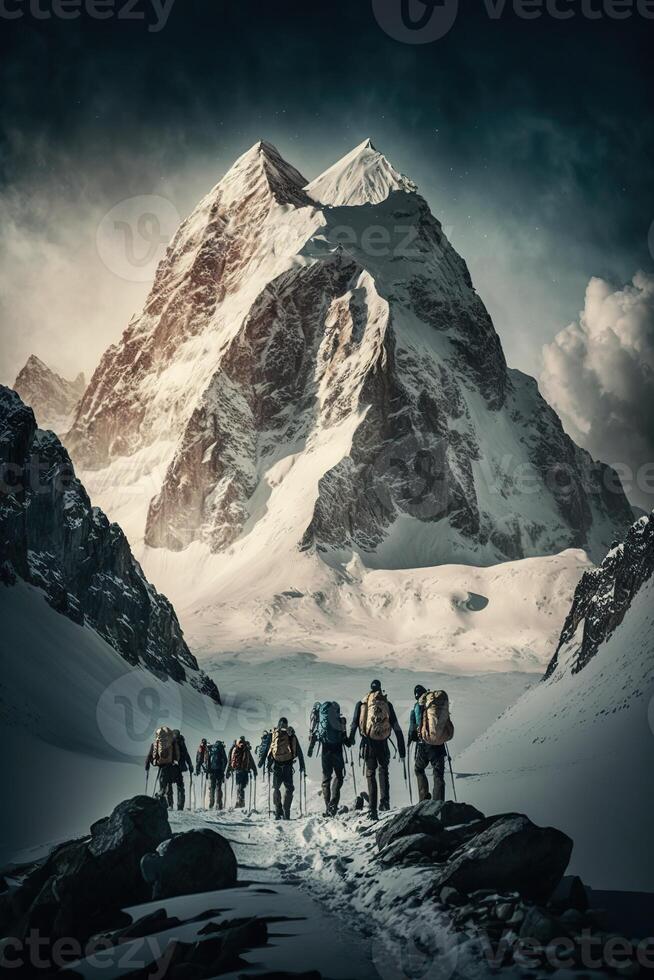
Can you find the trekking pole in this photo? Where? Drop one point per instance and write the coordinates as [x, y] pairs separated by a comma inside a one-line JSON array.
[[354, 778], [409, 780], [190, 790], [269, 806], [156, 782], [147, 777], [306, 801], [449, 759], [405, 779], [300, 794]]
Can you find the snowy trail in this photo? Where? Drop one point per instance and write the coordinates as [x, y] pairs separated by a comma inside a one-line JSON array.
[[377, 915]]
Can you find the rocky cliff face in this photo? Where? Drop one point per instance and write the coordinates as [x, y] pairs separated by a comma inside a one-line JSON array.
[[53, 538], [328, 339], [604, 597], [52, 399]]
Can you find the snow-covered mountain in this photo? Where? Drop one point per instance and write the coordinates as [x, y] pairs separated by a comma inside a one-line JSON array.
[[52, 539], [52, 398], [580, 745], [314, 370]]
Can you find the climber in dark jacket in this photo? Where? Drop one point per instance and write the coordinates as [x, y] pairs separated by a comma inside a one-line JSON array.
[[184, 765], [375, 718], [426, 755], [328, 729]]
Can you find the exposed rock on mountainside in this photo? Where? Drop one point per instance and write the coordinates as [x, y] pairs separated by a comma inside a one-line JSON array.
[[314, 367], [604, 597], [52, 538], [52, 398]]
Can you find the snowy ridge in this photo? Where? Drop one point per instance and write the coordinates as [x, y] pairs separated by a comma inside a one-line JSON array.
[[52, 538]]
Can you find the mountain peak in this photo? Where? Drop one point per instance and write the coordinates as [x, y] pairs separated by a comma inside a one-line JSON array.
[[52, 397], [362, 176], [263, 167]]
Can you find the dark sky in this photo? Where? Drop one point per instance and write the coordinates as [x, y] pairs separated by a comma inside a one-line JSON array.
[[533, 141]]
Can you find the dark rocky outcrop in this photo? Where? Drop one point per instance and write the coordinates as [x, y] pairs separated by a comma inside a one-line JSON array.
[[197, 861], [510, 854], [605, 594], [429, 817], [53, 538], [82, 886], [470, 852]]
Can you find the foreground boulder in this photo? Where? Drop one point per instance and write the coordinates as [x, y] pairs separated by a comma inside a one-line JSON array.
[[472, 853], [82, 886], [194, 862], [511, 854], [428, 817]]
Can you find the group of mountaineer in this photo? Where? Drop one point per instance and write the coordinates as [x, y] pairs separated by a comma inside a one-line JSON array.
[[375, 720]]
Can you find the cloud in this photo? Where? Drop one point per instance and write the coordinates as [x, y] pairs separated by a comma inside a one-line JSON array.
[[598, 374]]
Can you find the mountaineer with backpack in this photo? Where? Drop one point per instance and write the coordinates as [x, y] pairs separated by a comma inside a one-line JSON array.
[[283, 750], [430, 727], [241, 764], [212, 761], [328, 730], [375, 718], [164, 756], [185, 765]]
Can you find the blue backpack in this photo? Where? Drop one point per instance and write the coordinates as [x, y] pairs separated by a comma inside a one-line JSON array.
[[217, 757], [327, 723]]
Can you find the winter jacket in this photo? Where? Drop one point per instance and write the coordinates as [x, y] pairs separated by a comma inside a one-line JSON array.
[[395, 725], [185, 762]]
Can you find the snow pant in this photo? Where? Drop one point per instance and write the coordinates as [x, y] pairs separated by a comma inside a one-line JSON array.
[[333, 774], [241, 779], [178, 780], [167, 778], [377, 756], [434, 756], [216, 790], [283, 776]]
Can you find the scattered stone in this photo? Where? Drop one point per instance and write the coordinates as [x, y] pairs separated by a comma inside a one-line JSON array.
[[504, 911], [451, 896], [197, 861], [540, 927], [570, 893]]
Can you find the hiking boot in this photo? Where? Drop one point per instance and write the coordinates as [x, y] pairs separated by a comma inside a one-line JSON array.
[[373, 815], [384, 807]]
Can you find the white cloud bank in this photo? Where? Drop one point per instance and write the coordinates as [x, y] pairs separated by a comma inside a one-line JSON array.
[[598, 374]]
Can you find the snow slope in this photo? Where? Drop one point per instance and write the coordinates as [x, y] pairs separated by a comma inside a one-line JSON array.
[[76, 721], [578, 748]]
